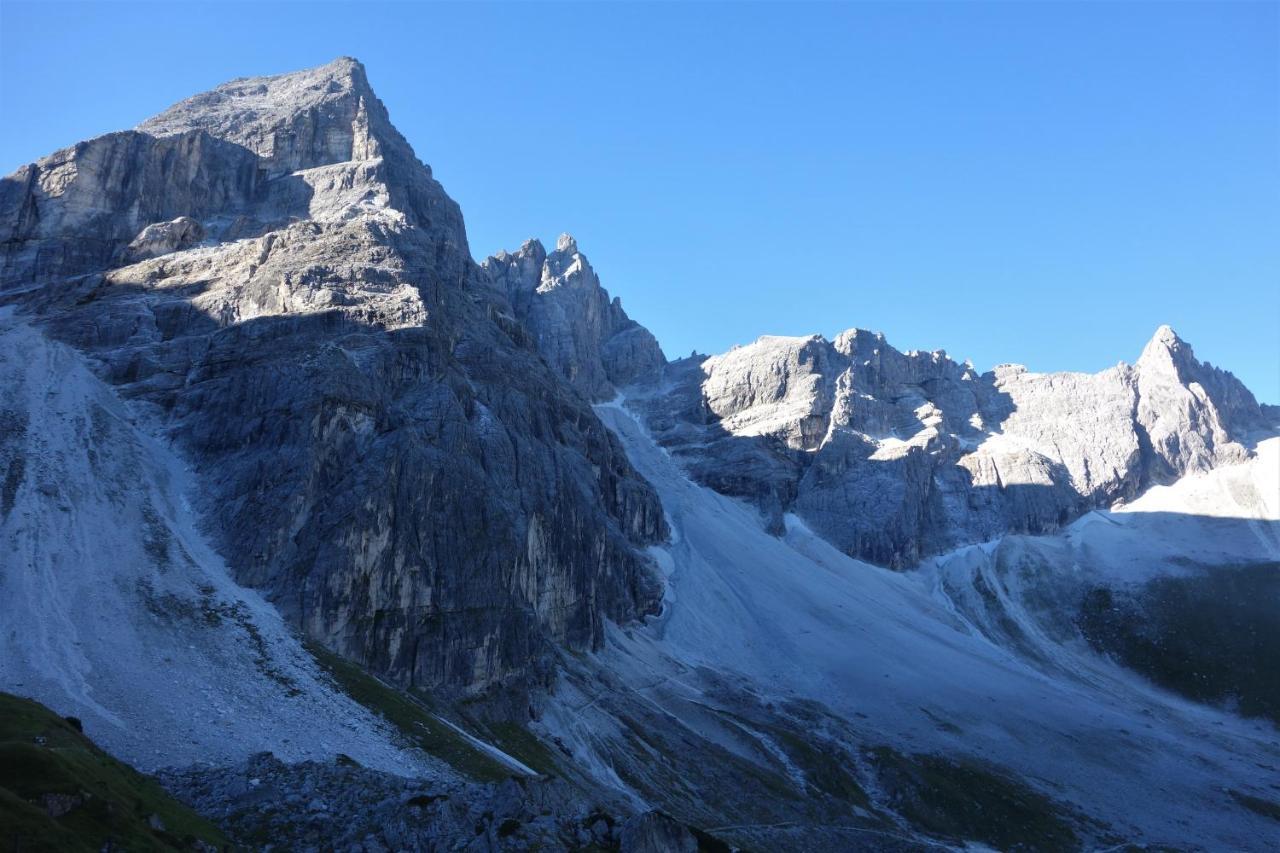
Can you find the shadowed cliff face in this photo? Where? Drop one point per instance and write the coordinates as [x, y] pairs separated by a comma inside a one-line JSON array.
[[382, 450]]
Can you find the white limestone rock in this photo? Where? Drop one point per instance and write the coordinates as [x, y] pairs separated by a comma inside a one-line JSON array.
[[894, 456]]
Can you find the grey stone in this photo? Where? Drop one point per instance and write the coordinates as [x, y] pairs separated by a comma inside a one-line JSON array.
[[896, 456], [578, 329], [271, 270]]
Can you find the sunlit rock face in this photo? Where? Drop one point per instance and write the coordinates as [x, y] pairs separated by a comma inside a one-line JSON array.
[[382, 449], [580, 332], [894, 456]]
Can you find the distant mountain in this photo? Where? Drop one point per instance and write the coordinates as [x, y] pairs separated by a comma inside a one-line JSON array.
[[898, 456]]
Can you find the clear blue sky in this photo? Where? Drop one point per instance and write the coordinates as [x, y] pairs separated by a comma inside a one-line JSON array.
[[1031, 182]]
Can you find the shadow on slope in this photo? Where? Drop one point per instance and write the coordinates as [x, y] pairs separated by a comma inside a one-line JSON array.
[[1212, 635], [1186, 601]]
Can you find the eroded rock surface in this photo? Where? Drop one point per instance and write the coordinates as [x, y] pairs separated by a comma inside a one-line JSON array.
[[579, 330], [381, 447], [894, 456]]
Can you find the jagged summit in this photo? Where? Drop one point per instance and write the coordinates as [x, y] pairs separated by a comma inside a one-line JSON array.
[[1165, 346], [247, 158], [579, 330], [566, 244], [898, 455]]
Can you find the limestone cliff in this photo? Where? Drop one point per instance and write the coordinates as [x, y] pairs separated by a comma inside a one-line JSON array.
[[382, 450], [894, 456]]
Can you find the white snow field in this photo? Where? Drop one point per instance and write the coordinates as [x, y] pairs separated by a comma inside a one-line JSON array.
[[115, 609], [903, 657]]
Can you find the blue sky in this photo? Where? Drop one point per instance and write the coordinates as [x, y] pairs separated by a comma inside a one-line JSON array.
[[1034, 182]]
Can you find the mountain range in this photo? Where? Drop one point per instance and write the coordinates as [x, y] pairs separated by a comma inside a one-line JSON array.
[[284, 469]]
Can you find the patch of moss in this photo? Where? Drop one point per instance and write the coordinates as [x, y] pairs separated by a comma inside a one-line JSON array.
[[824, 764], [520, 743], [967, 801], [705, 782], [824, 768], [59, 792], [411, 716]]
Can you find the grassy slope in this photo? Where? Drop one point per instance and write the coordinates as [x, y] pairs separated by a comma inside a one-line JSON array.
[[966, 801], [414, 719], [47, 766]]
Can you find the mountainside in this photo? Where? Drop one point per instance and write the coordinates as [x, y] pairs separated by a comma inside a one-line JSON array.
[[282, 468], [270, 267], [115, 607], [858, 696]]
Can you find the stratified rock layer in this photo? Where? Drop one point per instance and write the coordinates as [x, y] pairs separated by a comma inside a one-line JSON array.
[[383, 450]]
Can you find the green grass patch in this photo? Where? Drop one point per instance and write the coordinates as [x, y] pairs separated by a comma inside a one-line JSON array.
[[967, 801], [59, 792], [412, 717], [825, 767], [520, 743]]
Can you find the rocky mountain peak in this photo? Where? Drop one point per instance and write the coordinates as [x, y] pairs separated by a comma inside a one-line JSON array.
[[565, 244], [1166, 352], [587, 337], [856, 342], [897, 455], [270, 266], [299, 120]]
